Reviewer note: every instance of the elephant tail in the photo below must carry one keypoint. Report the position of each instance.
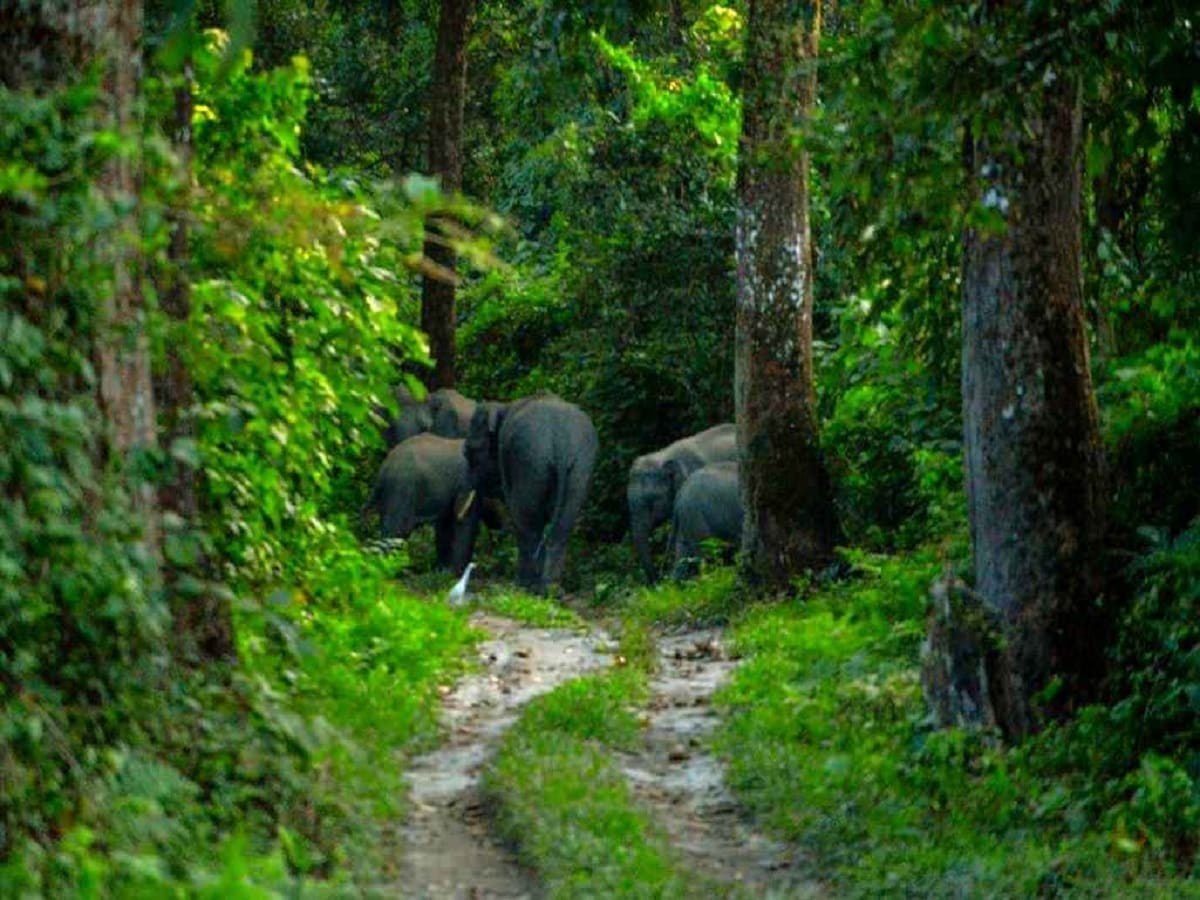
(570, 492)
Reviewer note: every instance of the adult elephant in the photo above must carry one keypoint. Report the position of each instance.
(656, 479)
(537, 454)
(708, 506)
(423, 480)
(445, 412)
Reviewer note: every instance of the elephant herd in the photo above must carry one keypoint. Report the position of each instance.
(456, 464)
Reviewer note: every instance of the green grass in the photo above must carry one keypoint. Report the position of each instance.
(707, 600)
(564, 803)
(826, 740)
(354, 661)
(539, 612)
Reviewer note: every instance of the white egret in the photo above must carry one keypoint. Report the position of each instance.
(458, 593)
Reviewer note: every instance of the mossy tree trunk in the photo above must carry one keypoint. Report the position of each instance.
(446, 162)
(789, 522)
(1032, 445)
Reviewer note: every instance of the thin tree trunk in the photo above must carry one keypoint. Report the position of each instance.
(203, 619)
(675, 23)
(446, 162)
(1033, 453)
(789, 521)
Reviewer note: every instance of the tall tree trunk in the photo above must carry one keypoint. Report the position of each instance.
(203, 618)
(126, 389)
(1033, 453)
(43, 47)
(445, 161)
(789, 522)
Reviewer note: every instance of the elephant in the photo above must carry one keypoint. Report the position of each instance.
(536, 453)
(425, 479)
(445, 412)
(656, 478)
(708, 505)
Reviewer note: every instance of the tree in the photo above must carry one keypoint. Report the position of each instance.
(1032, 445)
(789, 519)
(202, 614)
(446, 162)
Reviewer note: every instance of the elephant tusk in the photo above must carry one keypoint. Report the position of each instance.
(465, 506)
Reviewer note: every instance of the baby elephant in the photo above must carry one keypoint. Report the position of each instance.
(656, 479)
(707, 506)
(422, 480)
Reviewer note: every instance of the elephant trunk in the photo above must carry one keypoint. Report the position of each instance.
(640, 531)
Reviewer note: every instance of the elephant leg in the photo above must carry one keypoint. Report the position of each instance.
(571, 496)
(529, 548)
(443, 530)
(686, 549)
(396, 523)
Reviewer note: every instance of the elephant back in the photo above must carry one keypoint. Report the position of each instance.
(547, 428)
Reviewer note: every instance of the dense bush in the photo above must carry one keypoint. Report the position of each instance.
(124, 772)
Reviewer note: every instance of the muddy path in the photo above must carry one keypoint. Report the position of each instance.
(675, 775)
(450, 853)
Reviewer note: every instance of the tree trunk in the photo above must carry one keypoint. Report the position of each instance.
(446, 162)
(789, 520)
(44, 47)
(126, 389)
(203, 619)
(675, 24)
(1033, 453)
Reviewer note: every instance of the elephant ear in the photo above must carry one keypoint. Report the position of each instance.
(677, 472)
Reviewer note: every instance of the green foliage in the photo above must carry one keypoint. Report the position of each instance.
(74, 589)
(709, 599)
(826, 739)
(296, 327)
(624, 301)
(1152, 433)
(124, 773)
(892, 438)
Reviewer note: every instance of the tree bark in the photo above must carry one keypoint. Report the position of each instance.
(1032, 444)
(446, 162)
(45, 46)
(789, 520)
(126, 390)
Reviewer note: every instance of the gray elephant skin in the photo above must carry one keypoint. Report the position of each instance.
(425, 480)
(656, 479)
(709, 505)
(445, 412)
(537, 454)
